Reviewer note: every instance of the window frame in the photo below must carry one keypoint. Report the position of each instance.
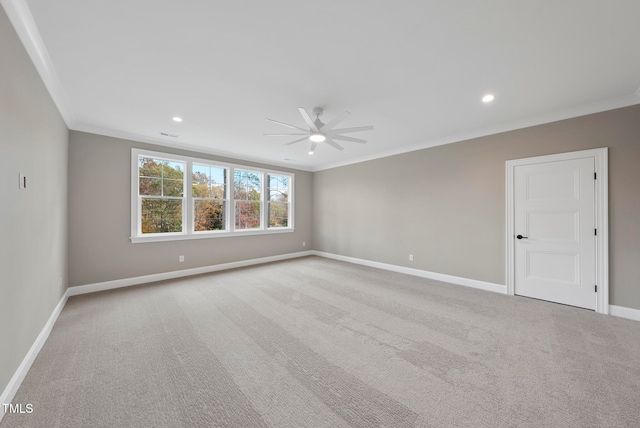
(188, 205)
(139, 197)
(269, 203)
(262, 199)
(226, 200)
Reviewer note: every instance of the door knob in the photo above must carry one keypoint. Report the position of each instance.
(522, 237)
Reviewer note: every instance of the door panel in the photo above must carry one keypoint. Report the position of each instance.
(558, 226)
(554, 212)
(563, 268)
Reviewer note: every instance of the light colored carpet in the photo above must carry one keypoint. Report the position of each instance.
(318, 343)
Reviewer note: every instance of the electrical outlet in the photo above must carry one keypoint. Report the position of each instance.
(181, 259)
(410, 257)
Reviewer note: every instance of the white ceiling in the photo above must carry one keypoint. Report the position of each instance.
(415, 70)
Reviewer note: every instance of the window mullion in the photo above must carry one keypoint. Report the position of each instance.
(266, 200)
(157, 209)
(231, 218)
(188, 210)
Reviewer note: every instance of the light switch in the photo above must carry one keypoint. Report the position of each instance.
(23, 182)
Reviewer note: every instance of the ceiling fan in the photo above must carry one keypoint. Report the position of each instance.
(319, 132)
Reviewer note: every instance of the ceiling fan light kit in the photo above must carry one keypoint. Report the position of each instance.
(319, 132)
(317, 137)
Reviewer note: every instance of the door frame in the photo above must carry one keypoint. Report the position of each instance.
(601, 163)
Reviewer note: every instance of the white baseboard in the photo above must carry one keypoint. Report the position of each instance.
(137, 280)
(618, 311)
(15, 382)
(473, 283)
(622, 312)
(10, 391)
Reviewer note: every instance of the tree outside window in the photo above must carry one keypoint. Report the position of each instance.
(161, 190)
(174, 197)
(208, 187)
(247, 198)
(278, 201)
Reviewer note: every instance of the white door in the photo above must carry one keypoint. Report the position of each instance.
(554, 231)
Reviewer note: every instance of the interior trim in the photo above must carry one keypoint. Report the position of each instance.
(622, 312)
(20, 16)
(22, 370)
(137, 280)
(467, 282)
(600, 157)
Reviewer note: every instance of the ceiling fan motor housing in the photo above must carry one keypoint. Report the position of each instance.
(320, 132)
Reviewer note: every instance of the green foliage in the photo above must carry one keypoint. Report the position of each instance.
(161, 215)
(161, 187)
(208, 191)
(209, 215)
(278, 201)
(278, 214)
(164, 180)
(247, 199)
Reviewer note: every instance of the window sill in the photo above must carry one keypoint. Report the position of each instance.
(206, 235)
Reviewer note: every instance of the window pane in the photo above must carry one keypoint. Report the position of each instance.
(159, 177)
(278, 188)
(150, 187)
(173, 169)
(199, 181)
(248, 185)
(208, 215)
(217, 191)
(171, 187)
(161, 215)
(278, 201)
(218, 176)
(148, 167)
(278, 214)
(209, 182)
(247, 215)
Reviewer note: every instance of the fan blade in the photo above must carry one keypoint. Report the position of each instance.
(332, 143)
(297, 141)
(286, 134)
(286, 124)
(313, 147)
(307, 119)
(353, 140)
(349, 130)
(336, 121)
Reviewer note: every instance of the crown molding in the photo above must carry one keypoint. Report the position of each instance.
(22, 20)
(124, 135)
(576, 111)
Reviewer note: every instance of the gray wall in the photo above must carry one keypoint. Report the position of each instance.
(33, 222)
(446, 204)
(100, 215)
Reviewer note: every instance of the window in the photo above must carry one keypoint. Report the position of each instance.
(248, 199)
(161, 189)
(176, 197)
(209, 194)
(278, 201)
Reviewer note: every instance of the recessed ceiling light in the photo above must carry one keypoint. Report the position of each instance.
(311, 153)
(487, 98)
(177, 119)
